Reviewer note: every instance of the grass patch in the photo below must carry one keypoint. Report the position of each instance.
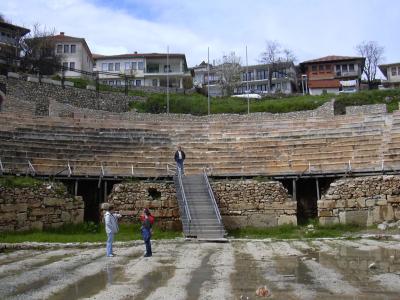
(196, 104)
(86, 232)
(389, 97)
(19, 181)
(296, 232)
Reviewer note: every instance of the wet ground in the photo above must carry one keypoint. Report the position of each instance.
(315, 269)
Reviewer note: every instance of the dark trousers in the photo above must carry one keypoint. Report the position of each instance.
(148, 247)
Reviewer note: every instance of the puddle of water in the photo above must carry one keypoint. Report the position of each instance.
(24, 255)
(24, 288)
(39, 264)
(91, 285)
(198, 277)
(247, 276)
(153, 280)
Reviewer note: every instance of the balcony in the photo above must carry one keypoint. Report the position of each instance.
(346, 74)
(8, 41)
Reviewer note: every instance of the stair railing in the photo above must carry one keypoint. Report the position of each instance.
(210, 192)
(185, 203)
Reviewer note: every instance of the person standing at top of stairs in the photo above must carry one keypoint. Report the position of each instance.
(179, 158)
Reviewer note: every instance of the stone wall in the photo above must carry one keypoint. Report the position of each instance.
(361, 200)
(42, 206)
(40, 94)
(251, 203)
(366, 109)
(130, 198)
(242, 203)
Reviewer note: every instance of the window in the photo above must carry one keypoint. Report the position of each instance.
(111, 82)
(128, 66)
(117, 66)
(66, 48)
(134, 65)
(65, 65)
(140, 65)
(314, 68)
(351, 67)
(72, 65)
(73, 48)
(118, 82)
(321, 68)
(110, 67)
(393, 71)
(398, 71)
(59, 48)
(344, 68)
(328, 68)
(167, 68)
(104, 67)
(138, 82)
(284, 86)
(155, 82)
(337, 68)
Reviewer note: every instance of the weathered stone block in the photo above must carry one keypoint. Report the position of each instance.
(328, 220)
(325, 213)
(286, 219)
(393, 198)
(370, 202)
(358, 217)
(53, 201)
(38, 225)
(234, 222)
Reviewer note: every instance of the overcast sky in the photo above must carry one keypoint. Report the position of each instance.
(311, 28)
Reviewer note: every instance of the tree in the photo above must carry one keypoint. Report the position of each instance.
(228, 72)
(277, 58)
(38, 51)
(373, 54)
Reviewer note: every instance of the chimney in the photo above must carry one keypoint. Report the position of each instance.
(62, 33)
(135, 52)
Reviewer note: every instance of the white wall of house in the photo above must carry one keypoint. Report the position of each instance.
(393, 73)
(320, 91)
(74, 55)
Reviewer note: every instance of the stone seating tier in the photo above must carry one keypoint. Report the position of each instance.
(243, 148)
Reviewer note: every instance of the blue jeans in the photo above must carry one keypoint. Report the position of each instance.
(179, 164)
(146, 235)
(110, 239)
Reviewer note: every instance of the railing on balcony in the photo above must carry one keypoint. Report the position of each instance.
(7, 40)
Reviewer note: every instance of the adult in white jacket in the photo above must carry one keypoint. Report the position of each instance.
(111, 224)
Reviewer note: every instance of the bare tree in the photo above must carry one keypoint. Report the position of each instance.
(373, 54)
(38, 51)
(228, 72)
(277, 58)
(2, 19)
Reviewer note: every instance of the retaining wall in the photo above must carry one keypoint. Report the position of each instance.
(361, 200)
(242, 203)
(42, 206)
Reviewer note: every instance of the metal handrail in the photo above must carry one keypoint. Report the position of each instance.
(185, 204)
(210, 192)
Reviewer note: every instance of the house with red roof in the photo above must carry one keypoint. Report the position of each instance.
(74, 53)
(332, 74)
(143, 69)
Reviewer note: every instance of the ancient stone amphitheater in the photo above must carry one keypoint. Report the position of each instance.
(305, 152)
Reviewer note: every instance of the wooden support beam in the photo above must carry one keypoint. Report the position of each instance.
(317, 184)
(294, 197)
(76, 188)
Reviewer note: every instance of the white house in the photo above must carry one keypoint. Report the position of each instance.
(392, 73)
(75, 54)
(146, 69)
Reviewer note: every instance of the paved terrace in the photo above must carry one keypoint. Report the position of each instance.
(228, 146)
(318, 269)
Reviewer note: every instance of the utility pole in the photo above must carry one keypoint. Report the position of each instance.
(167, 79)
(247, 79)
(208, 80)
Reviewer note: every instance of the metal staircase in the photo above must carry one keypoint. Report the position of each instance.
(198, 209)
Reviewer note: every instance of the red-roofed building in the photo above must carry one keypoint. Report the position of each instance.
(144, 69)
(75, 54)
(332, 74)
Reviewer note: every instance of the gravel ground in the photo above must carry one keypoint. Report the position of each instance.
(311, 269)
